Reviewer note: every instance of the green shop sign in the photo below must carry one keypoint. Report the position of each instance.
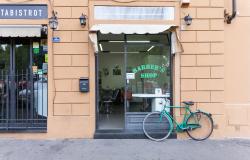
(147, 67)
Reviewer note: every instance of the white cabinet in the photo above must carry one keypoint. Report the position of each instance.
(159, 103)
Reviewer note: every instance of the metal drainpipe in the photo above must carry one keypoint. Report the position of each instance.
(229, 18)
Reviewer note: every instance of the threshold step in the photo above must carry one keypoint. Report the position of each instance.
(123, 135)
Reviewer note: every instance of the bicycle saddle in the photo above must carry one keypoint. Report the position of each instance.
(189, 103)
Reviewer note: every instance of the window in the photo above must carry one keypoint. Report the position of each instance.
(133, 13)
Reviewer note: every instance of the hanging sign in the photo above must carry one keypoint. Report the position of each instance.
(36, 48)
(46, 58)
(34, 68)
(45, 48)
(130, 75)
(35, 44)
(16, 11)
(40, 71)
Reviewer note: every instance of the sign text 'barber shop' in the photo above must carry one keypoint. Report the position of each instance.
(23, 12)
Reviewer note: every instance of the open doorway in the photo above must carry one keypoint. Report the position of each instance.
(111, 82)
(134, 77)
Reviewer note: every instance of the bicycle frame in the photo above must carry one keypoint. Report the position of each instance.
(180, 127)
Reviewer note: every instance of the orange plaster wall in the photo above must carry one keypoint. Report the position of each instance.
(237, 71)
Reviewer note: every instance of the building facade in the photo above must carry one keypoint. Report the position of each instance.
(44, 89)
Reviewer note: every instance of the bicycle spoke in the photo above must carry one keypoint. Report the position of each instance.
(200, 126)
(157, 127)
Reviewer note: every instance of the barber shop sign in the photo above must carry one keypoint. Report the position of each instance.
(23, 11)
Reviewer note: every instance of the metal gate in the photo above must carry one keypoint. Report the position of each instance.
(23, 92)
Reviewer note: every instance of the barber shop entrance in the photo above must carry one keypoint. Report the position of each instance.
(134, 77)
(23, 79)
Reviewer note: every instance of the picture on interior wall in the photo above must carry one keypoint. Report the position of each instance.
(105, 71)
(117, 70)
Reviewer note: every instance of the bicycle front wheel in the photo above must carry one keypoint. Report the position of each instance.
(157, 126)
(200, 126)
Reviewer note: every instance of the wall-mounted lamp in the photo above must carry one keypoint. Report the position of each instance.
(188, 20)
(53, 21)
(83, 19)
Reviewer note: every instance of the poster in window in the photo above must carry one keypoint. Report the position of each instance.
(117, 70)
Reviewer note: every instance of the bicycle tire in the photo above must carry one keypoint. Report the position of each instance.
(157, 128)
(206, 126)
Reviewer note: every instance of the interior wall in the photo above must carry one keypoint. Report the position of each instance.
(111, 81)
(115, 81)
(109, 61)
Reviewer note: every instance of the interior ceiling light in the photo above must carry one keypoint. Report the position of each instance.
(150, 48)
(138, 41)
(118, 52)
(116, 41)
(100, 45)
(130, 41)
(124, 52)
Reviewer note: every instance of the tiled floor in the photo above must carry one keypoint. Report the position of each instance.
(114, 120)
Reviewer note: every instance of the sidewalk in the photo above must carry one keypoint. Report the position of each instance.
(235, 149)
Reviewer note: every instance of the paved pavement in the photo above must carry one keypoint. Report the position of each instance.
(134, 149)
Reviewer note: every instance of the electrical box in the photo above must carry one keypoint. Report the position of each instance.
(84, 85)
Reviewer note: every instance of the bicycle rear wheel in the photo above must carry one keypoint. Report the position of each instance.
(200, 126)
(157, 126)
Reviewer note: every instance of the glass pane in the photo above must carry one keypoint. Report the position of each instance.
(31, 77)
(111, 81)
(4, 55)
(4, 69)
(40, 77)
(20, 92)
(22, 56)
(133, 13)
(148, 73)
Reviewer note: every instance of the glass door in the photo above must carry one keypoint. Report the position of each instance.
(148, 76)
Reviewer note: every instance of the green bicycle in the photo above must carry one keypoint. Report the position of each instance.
(158, 126)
